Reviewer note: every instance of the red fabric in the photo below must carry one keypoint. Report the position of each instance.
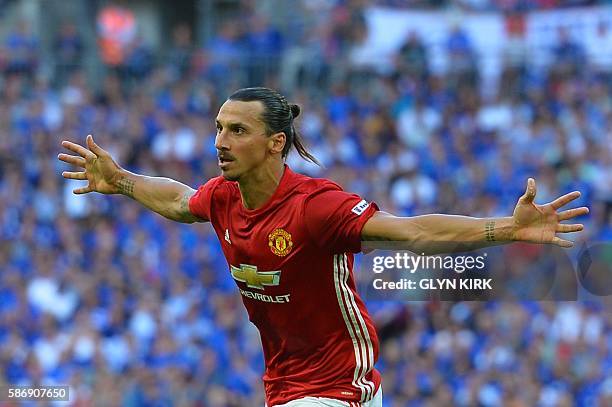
(330, 220)
(318, 339)
(201, 201)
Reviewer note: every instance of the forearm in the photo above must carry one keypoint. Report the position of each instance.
(165, 196)
(432, 234)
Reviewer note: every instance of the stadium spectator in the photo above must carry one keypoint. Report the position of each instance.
(265, 46)
(569, 55)
(412, 59)
(68, 50)
(22, 50)
(225, 50)
(462, 61)
(117, 30)
(181, 51)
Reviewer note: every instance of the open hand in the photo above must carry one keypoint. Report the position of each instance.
(100, 170)
(541, 223)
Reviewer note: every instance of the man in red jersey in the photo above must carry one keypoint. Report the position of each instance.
(289, 241)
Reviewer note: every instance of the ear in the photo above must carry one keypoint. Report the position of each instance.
(276, 142)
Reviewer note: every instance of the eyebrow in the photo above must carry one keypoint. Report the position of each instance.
(233, 124)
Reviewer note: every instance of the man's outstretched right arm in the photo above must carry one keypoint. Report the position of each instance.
(165, 196)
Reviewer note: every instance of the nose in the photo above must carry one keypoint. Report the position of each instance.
(221, 141)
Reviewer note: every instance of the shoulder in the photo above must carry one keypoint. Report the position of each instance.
(219, 184)
(214, 190)
(323, 196)
(308, 186)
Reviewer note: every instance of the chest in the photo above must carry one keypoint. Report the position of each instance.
(271, 240)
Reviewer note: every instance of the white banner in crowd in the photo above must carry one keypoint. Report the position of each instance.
(389, 28)
(590, 27)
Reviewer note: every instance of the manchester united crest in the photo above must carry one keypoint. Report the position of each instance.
(280, 242)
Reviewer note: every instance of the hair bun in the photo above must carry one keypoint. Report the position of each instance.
(295, 110)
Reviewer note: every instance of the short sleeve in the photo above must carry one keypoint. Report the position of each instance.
(335, 218)
(200, 203)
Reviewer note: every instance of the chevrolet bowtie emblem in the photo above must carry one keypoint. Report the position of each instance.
(255, 279)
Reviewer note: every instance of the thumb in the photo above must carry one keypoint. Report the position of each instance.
(530, 191)
(96, 149)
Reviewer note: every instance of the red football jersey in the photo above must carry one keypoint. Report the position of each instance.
(292, 261)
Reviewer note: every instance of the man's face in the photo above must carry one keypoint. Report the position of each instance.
(241, 141)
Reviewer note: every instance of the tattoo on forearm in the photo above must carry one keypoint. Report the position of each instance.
(126, 187)
(490, 231)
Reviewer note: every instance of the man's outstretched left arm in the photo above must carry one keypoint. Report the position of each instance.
(431, 234)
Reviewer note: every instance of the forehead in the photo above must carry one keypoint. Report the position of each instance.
(235, 111)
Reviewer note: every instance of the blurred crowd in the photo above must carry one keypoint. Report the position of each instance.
(132, 309)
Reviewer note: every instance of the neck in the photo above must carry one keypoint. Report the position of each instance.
(259, 187)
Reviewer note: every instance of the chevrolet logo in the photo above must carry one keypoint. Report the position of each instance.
(255, 279)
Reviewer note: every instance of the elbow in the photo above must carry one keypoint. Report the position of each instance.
(413, 234)
(418, 240)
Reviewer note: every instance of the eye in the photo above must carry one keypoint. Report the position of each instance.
(239, 130)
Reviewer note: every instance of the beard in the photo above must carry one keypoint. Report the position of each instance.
(230, 177)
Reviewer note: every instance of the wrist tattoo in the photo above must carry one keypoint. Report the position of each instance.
(126, 187)
(490, 231)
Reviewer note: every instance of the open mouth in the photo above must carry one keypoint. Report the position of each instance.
(224, 161)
